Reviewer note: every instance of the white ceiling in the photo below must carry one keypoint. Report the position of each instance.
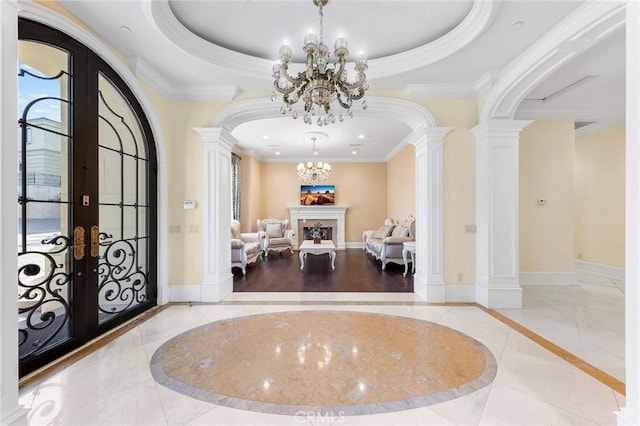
(217, 49)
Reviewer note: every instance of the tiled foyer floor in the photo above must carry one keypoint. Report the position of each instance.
(114, 385)
(586, 319)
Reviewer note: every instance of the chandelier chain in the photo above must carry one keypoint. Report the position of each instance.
(314, 173)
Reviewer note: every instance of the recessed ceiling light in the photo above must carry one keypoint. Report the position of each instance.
(517, 25)
(277, 152)
(266, 138)
(354, 152)
(360, 136)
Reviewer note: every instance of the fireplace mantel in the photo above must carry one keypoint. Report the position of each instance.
(304, 213)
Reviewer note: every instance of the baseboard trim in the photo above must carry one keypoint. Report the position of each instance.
(548, 278)
(614, 272)
(185, 293)
(354, 245)
(465, 293)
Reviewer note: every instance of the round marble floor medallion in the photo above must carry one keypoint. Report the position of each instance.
(324, 362)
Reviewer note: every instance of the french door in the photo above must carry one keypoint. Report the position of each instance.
(86, 198)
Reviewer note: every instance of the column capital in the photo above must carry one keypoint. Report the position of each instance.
(499, 128)
(428, 135)
(219, 135)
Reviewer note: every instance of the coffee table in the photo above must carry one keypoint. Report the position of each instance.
(325, 247)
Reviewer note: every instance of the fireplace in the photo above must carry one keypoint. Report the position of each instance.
(331, 217)
(327, 230)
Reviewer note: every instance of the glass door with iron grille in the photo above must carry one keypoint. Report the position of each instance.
(86, 203)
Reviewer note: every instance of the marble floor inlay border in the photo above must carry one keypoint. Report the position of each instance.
(329, 362)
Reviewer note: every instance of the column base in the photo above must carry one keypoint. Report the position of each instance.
(216, 292)
(431, 292)
(499, 297)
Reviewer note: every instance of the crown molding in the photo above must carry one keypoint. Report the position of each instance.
(439, 91)
(480, 17)
(452, 91)
(205, 93)
(146, 73)
(476, 22)
(485, 82)
(396, 150)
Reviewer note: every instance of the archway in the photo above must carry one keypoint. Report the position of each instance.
(425, 136)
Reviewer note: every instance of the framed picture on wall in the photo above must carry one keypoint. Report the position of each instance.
(317, 195)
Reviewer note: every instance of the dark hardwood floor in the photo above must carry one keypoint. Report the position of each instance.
(355, 272)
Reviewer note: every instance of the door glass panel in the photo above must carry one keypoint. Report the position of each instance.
(45, 259)
(123, 167)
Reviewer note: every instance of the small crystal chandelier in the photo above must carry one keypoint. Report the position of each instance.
(314, 173)
(320, 84)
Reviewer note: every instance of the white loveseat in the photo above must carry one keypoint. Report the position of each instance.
(385, 243)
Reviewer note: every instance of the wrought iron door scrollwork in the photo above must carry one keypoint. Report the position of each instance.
(121, 283)
(42, 304)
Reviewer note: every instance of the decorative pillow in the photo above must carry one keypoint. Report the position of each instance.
(235, 232)
(383, 232)
(400, 231)
(274, 230)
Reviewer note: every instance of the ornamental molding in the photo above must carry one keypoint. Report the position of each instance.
(148, 74)
(590, 24)
(452, 91)
(476, 22)
(410, 113)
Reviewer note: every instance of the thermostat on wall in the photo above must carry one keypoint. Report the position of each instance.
(189, 204)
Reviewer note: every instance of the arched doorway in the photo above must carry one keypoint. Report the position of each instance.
(87, 204)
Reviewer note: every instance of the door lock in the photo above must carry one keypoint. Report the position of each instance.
(78, 243)
(95, 241)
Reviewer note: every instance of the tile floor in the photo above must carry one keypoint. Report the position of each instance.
(586, 319)
(114, 385)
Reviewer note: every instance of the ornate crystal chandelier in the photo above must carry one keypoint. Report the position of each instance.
(314, 173)
(320, 85)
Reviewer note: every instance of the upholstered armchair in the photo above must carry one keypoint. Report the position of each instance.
(245, 247)
(385, 244)
(276, 235)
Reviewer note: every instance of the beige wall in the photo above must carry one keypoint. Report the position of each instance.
(361, 186)
(459, 207)
(401, 184)
(183, 159)
(459, 245)
(547, 158)
(600, 197)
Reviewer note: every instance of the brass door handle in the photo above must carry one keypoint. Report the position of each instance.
(78, 243)
(95, 241)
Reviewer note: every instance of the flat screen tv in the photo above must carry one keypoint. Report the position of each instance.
(317, 195)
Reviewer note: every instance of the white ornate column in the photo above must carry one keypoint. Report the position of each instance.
(428, 281)
(497, 211)
(10, 410)
(630, 413)
(217, 280)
